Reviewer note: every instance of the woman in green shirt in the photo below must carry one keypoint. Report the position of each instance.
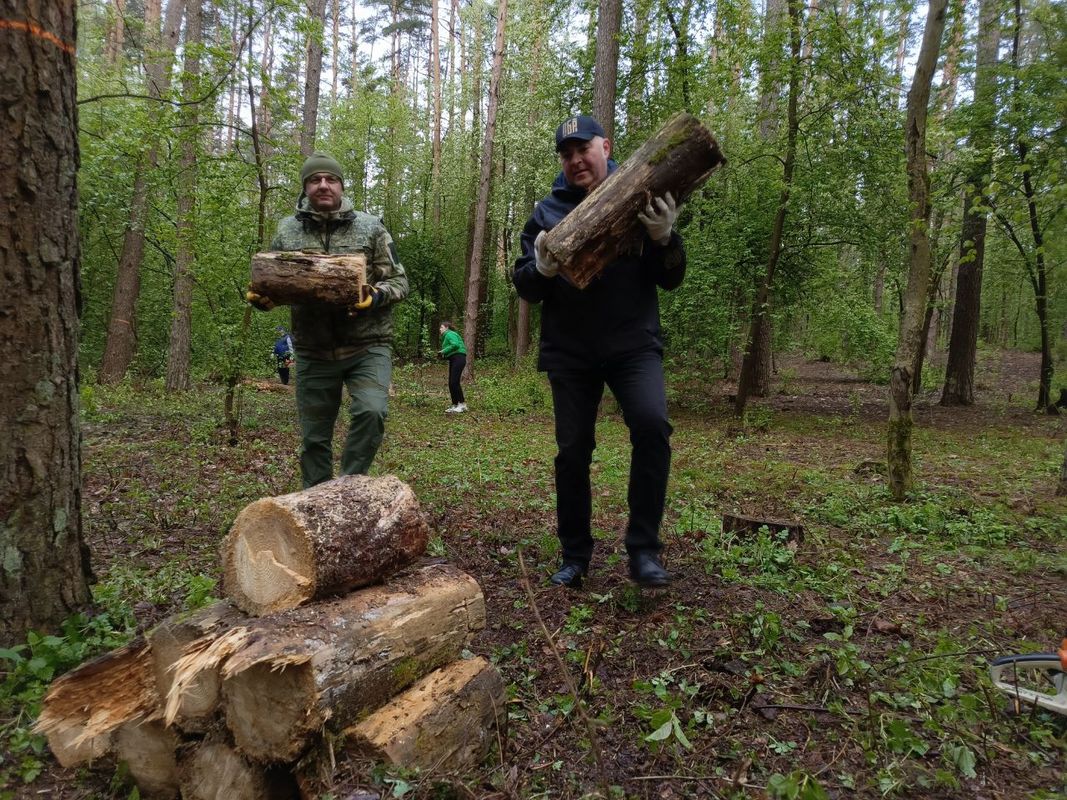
(453, 349)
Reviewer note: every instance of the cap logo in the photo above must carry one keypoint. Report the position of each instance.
(569, 128)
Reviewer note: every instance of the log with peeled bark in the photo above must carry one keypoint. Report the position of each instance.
(166, 641)
(84, 707)
(288, 278)
(286, 675)
(349, 532)
(677, 159)
(448, 720)
(149, 751)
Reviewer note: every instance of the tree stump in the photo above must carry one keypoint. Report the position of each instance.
(677, 159)
(84, 706)
(337, 536)
(448, 720)
(288, 278)
(286, 675)
(149, 750)
(736, 523)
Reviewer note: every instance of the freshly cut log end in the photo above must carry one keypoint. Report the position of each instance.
(84, 706)
(677, 159)
(346, 533)
(448, 720)
(331, 662)
(148, 749)
(297, 278)
(168, 640)
(215, 771)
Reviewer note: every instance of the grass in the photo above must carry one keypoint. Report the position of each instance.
(855, 664)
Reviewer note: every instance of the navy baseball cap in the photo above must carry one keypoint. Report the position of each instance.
(581, 127)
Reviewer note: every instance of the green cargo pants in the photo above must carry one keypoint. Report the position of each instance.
(318, 399)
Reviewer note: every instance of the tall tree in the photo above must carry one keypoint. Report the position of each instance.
(44, 566)
(963, 341)
(606, 66)
(481, 213)
(910, 336)
(756, 363)
(116, 31)
(122, 327)
(317, 14)
(185, 257)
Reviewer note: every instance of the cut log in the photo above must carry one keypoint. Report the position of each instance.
(201, 698)
(337, 536)
(286, 675)
(677, 159)
(84, 706)
(448, 720)
(216, 771)
(149, 749)
(736, 523)
(288, 278)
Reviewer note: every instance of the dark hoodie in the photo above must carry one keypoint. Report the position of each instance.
(617, 314)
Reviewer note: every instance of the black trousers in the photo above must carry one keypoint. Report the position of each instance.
(456, 363)
(283, 374)
(637, 384)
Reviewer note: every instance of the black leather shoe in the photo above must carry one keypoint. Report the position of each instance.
(570, 574)
(646, 570)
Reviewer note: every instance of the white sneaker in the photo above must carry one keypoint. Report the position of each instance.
(461, 408)
(451, 409)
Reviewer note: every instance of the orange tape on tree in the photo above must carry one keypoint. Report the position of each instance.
(39, 32)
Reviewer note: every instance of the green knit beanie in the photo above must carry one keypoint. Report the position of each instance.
(320, 162)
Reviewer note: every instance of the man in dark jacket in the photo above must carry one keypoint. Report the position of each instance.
(607, 334)
(340, 347)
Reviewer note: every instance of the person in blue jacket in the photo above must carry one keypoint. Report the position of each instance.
(607, 334)
(283, 353)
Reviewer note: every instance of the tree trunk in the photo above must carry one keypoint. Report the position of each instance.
(678, 158)
(435, 167)
(288, 278)
(606, 68)
(149, 751)
(446, 721)
(178, 351)
(332, 538)
(121, 345)
(963, 346)
(1061, 487)
(900, 397)
(317, 15)
(288, 674)
(44, 573)
(116, 32)
(755, 367)
(335, 21)
(481, 214)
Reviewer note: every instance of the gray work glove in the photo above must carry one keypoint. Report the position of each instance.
(658, 218)
(546, 264)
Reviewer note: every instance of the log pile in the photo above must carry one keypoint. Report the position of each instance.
(332, 640)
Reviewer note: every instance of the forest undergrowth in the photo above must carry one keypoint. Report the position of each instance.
(851, 664)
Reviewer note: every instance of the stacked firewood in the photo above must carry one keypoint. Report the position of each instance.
(335, 639)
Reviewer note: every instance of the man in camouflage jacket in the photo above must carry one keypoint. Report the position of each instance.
(335, 346)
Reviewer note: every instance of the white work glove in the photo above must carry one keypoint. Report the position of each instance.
(658, 218)
(546, 264)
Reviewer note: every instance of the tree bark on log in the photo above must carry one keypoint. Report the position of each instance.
(167, 641)
(677, 159)
(149, 750)
(445, 721)
(348, 532)
(84, 706)
(288, 278)
(284, 676)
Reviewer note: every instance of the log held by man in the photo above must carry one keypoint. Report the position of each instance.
(288, 278)
(677, 159)
(349, 532)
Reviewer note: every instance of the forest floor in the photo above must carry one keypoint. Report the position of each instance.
(851, 664)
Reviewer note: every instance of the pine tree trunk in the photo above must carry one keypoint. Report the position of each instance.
(44, 572)
(116, 32)
(606, 68)
(316, 10)
(900, 388)
(178, 350)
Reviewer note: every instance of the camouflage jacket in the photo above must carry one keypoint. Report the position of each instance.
(328, 332)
